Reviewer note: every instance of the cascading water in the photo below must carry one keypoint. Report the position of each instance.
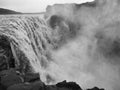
(28, 38)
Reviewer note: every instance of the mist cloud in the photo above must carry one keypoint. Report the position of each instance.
(83, 58)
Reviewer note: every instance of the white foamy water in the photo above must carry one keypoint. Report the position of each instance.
(26, 35)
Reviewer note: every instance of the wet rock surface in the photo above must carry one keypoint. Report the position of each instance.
(31, 77)
(13, 80)
(95, 88)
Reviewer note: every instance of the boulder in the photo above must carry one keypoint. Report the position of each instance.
(69, 85)
(95, 88)
(2, 87)
(52, 87)
(8, 72)
(11, 79)
(22, 86)
(31, 77)
(38, 85)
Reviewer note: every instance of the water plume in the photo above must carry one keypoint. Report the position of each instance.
(83, 58)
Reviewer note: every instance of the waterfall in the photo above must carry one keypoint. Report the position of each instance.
(28, 38)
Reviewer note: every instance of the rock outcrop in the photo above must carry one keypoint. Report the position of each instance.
(14, 80)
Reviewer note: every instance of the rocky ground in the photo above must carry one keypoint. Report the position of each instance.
(13, 80)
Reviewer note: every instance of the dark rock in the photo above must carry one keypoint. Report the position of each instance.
(69, 85)
(95, 88)
(11, 79)
(6, 59)
(22, 86)
(38, 85)
(31, 77)
(51, 87)
(9, 72)
(2, 87)
(3, 63)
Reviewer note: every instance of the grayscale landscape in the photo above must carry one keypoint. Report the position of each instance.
(68, 47)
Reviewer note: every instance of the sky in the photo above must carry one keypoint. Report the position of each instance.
(31, 6)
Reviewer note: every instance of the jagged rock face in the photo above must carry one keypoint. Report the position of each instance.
(87, 41)
(6, 57)
(14, 80)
